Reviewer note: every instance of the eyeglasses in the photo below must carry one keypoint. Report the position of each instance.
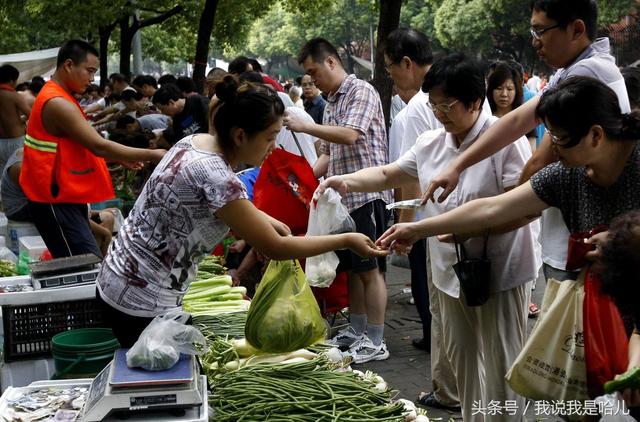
(537, 33)
(308, 84)
(443, 108)
(565, 141)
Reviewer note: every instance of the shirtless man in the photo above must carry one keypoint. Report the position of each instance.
(14, 112)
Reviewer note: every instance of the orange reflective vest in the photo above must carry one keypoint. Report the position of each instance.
(56, 169)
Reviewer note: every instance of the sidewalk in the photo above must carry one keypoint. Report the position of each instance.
(408, 369)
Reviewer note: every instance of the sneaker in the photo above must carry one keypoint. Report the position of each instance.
(365, 351)
(345, 338)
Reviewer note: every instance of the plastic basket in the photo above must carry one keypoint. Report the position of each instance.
(28, 329)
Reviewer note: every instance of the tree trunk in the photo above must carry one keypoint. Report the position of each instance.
(202, 44)
(104, 34)
(389, 20)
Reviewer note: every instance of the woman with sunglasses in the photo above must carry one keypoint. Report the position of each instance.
(480, 342)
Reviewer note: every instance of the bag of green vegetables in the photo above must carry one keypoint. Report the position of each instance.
(284, 315)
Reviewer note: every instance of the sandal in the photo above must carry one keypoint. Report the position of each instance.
(429, 400)
(533, 310)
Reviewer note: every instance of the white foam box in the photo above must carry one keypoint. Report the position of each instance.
(16, 230)
(24, 372)
(33, 246)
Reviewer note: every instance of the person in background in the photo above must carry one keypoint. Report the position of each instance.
(15, 111)
(189, 115)
(631, 75)
(63, 165)
(147, 123)
(257, 67)
(188, 206)
(187, 86)
(166, 79)
(213, 77)
(146, 84)
(239, 65)
(295, 93)
(313, 102)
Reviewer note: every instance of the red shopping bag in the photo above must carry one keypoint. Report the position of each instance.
(605, 337)
(284, 189)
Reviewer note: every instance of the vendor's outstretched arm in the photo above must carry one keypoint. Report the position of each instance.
(505, 131)
(251, 225)
(372, 179)
(473, 216)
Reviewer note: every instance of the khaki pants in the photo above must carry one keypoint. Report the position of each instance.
(481, 343)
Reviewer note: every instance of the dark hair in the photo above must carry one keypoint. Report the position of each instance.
(411, 43)
(216, 73)
(186, 84)
(631, 75)
(254, 77)
(118, 77)
(166, 79)
(170, 136)
(131, 94)
(123, 121)
(22, 86)
(566, 11)
(257, 67)
(459, 76)
(90, 88)
(8, 73)
(251, 107)
(500, 74)
(318, 49)
(619, 263)
(579, 102)
(239, 65)
(76, 50)
(35, 85)
(142, 80)
(166, 93)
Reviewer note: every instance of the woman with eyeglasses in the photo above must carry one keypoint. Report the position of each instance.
(189, 204)
(480, 342)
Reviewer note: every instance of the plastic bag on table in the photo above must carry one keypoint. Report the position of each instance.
(613, 408)
(327, 216)
(160, 344)
(284, 315)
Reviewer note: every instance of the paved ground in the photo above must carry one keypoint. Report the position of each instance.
(408, 369)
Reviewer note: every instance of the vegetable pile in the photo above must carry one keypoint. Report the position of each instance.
(7, 268)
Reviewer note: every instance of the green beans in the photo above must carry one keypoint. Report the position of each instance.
(223, 325)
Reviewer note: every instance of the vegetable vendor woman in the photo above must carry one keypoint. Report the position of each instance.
(189, 204)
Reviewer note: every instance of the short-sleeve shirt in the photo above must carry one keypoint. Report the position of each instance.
(512, 254)
(194, 117)
(172, 225)
(356, 105)
(315, 108)
(584, 204)
(151, 122)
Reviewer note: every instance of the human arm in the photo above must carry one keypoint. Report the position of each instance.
(281, 228)
(334, 134)
(409, 191)
(321, 166)
(505, 131)
(23, 106)
(542, 157)
(251, 225)
(471, 217)
(372, 179)
(62, 118)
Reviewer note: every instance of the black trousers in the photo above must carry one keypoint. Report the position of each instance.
(418, 264)
(127, 328)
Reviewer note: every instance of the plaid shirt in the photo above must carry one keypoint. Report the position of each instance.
(356, 105)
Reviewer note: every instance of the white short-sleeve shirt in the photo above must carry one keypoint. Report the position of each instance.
(512, 254)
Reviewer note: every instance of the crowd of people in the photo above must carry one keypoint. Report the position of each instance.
(507, 164)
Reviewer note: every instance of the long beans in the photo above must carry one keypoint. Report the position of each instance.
(302, 391)
(231, 325)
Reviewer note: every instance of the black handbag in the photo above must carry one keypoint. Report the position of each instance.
(473, 274)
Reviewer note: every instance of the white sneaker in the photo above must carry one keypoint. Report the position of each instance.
(345, 338)
(365, 351)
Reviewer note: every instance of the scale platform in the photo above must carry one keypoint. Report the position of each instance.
(65, 272)
(177, 394)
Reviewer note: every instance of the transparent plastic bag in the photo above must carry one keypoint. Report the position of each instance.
(160, 344)
(284, 315)
(327, 216)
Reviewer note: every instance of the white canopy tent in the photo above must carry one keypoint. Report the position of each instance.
(32, 63)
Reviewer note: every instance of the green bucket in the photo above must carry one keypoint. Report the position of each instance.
(82, 353)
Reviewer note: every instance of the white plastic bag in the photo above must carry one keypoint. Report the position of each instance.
(327, 216)
(613, 408)
(160, 344)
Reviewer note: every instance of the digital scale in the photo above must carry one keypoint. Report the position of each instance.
(65, 272)
(118, 392)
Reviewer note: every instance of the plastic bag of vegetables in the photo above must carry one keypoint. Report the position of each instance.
(284, 315)
(160, 344)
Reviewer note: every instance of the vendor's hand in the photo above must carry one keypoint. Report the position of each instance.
(337, 183)
(132, 165)
(447, 179)
(156, 155)
(280, 227)
(364, 247)
(446, 238)
(598, 239)
(400, 237)
(293, 122)
(237, 246)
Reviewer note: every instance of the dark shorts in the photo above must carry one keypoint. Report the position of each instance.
(371, 219)
(64, 228)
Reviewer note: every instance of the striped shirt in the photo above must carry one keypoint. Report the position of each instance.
(356, 105)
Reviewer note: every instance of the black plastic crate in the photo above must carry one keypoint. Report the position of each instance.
(28, 329)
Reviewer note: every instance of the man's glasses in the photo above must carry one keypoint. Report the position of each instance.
(537, 33)
(444, 108)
